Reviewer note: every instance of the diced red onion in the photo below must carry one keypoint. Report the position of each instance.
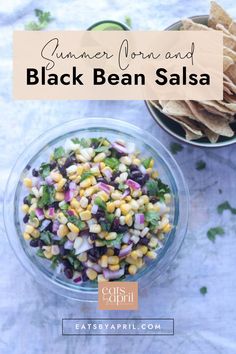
(120, 148)
(44, 224)
(68, 195)
(78, 280)
(51, 212)
(107, 173)
(125, 251)
(132, 184)
(94, 209)
(111, 275)
(39, 213)
(126, 193)
(126, 237)
(49, 180)
(55, 226)
(72, 186)
(139, 219)
(105, 187)
(142, 169)
(68, 245)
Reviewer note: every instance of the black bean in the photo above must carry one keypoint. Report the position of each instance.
(53, 165)
(127, 269)
(70, 161)
(41, 243)
(84, 275)
(25, 201)
(134, 174)
(102, 250)
(133, 168)
(114, 184)
(153, 199)
(35, 173)
(93, 236)
(122, 229)
(92, 258)
(66, 186)
(102, 180)
(66, 263)
(34, 243)
(62, 171)
(54, 205)
(115, 174)
(115, 224)
(63, 252)
(143, 240)
(116, 251)
(26, 218)
(68, 273)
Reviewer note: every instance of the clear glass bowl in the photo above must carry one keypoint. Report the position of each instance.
(40, 150)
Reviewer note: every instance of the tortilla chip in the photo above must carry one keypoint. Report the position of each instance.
(189, 25)
(229, 98)
(213, 137)
(219, 107)
(227, 62)
(212, 121)
(218, 15)
(222, 28)
(231, 73)
(229, 53)
(155, 104)
(229, 42)
(176, 108)
(188, 123)
(189, 135)
(231, 87)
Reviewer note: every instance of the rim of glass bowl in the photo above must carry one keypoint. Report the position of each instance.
(105, 125)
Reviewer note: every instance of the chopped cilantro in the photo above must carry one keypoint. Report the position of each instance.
(152, 217)
(101, 149)
(54, 261)
(157, 188)
(76, 221)
(122, 187)
(128, 21)
(146, 162)
(214, 231)
(200, 165)
(46, 237)
(115, 242)
(225, 206)
(64, 206)
(83, 142)
(86, 175)
(40, 253)
(175, 148)
(59, 152)
(203, 290)
(32, 215)
(44, 18)
(47, 197)
(44, 170)
(112, 162)
(98, 201)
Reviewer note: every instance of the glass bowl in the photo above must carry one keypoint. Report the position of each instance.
(39, 151)
(175, 129)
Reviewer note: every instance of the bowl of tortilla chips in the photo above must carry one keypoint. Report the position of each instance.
(204, 123)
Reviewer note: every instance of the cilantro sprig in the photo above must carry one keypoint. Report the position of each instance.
(215, 231)
(225, 206)
(43, 19)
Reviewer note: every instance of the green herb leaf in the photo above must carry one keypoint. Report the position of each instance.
(200, 165)
(86, 175)
(44, 170)
(152, 217)
(59, 153)
(101, 149)
(40, 253)
(214, 231)
(76, 221)
(46, 236)
(85, 143)
(98, 201)
(115, 242)
(54, 262)
(128, 21)
(203, 290)
(122, 187)
(112, 162)
(47, 196)
(64, 206)
(146, 162)
(225, 206)
(175, 148)
(44, 18)
(32, 215)
(157, 188)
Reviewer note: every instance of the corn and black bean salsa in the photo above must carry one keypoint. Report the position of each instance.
(97, 210)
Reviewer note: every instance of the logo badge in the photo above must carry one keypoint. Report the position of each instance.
(118, 296)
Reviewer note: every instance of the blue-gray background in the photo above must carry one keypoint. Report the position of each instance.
(30, 316)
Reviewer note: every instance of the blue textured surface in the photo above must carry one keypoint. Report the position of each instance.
(30, 316)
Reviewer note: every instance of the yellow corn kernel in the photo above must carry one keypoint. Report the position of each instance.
(34, 222)
(153, 242)
(105, 170)
(166, 228)
(86, 183)
(114, 267)
(150, 206)
(125, 209)
(29, 229)
(167, 197)
(154, 174)
(134, 254)
(35, 233)
(128, 220)
(143, 249)
(102, 234)
(25, 208)
(136, 162)
(116, 195)
(74, 203)
(83, 257)
(101, 278)
(56, 176)
(149, 170)
(99, 157)
(145, 199)
(93, 180)
(110, 207)
(111, 236)
(113, 260)
(89, 191)
(132, 269)
(103, 195)
(61, 218)
(80, 170)
(117, 203)
(27, 182)
(91, 274)
(102, 165)
(151, 164)
(48, 254)
(104, 261)
(134, 205)
(128, 198)
(96, 228)
(59, 196)
(85, 215)
(60, 184)
(81, 192)
(151, 254)
(73, 228)
(110, 252)
(26, 236)
(62, 231)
